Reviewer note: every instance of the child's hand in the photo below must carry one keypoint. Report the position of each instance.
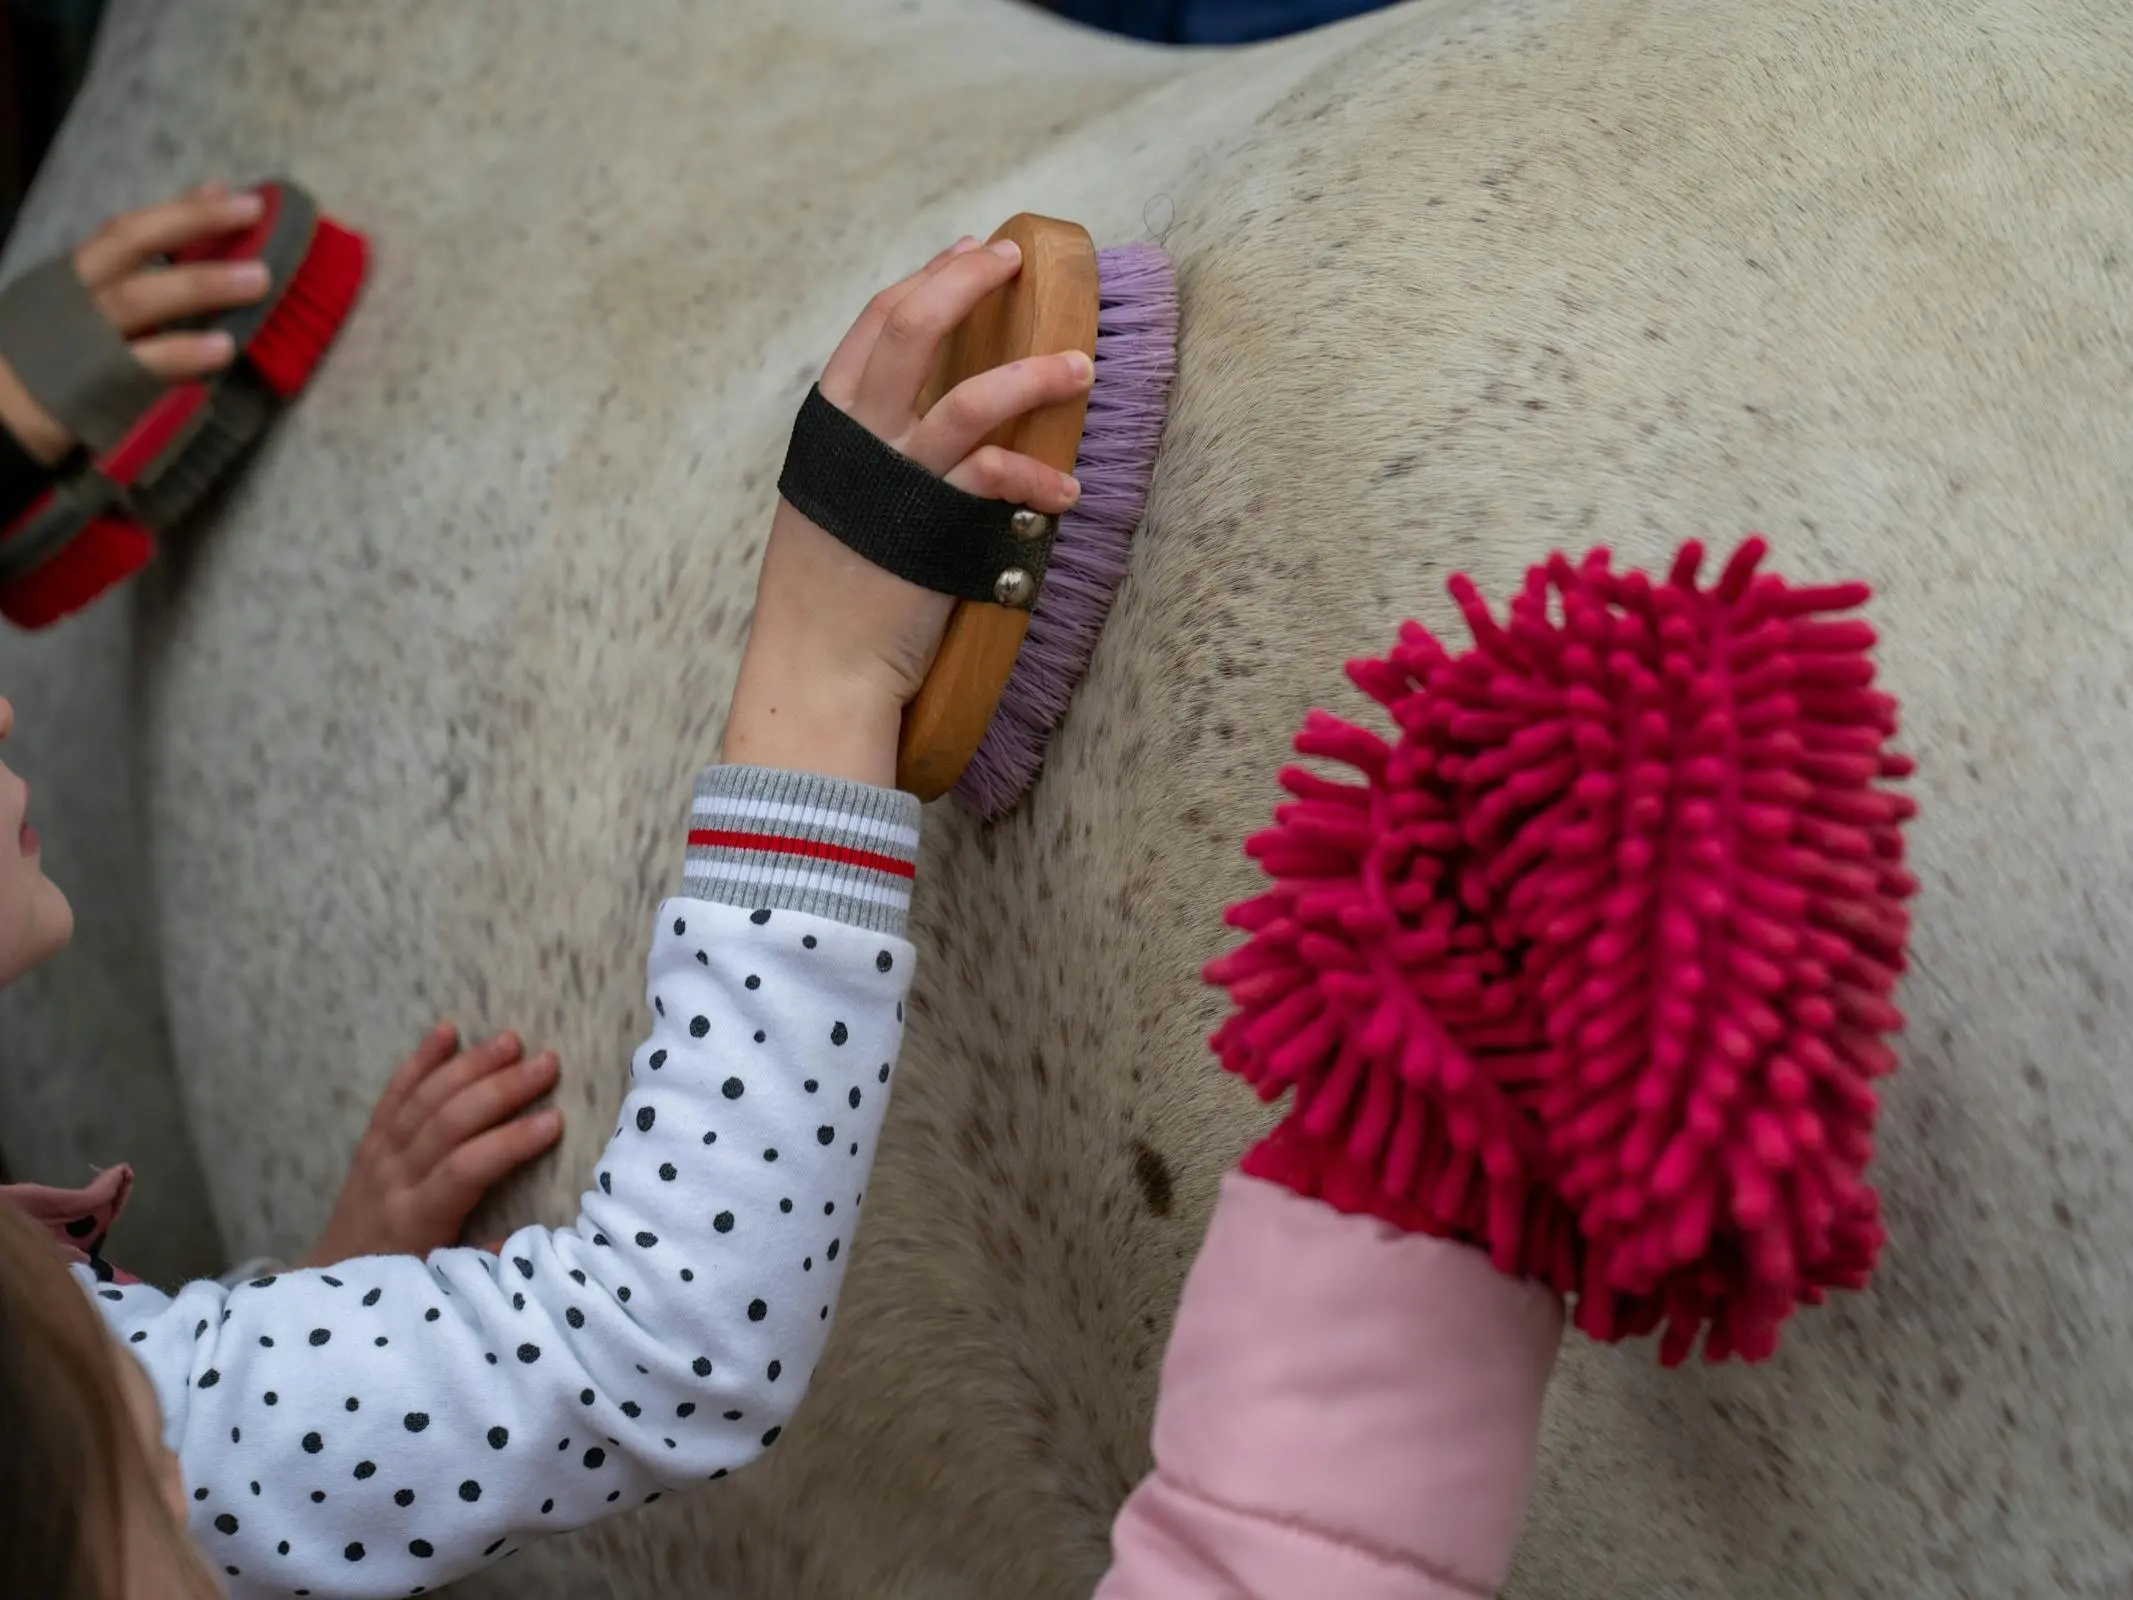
(446, 1128)
(839, 646)
(118, 265)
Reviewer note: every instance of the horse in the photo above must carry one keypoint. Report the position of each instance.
(404, 726)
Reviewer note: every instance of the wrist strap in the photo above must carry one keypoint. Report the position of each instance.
(70, 359)
(902, 518)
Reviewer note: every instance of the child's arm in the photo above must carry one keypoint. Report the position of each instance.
(388, 1421)
(391, 1421)
(1346, 1409)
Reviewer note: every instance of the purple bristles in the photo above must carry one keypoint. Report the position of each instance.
(1136, 357)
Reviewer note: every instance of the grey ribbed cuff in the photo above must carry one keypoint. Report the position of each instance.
(769, 839)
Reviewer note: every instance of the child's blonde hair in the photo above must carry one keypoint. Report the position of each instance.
(76, 1484)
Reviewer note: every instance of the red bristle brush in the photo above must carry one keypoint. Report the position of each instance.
(1593, 968)
(317, 266)
(100, 554)
(1003, 675)
(58, 556)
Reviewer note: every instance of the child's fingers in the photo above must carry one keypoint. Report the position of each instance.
(481, 1105)
(182, 357)
(998, 474)
(840, 378)
(132, 240)
(912, 332)
(962, 418)
(468, 1066)
(479, 1164)
(157, 295)
(434, 1051)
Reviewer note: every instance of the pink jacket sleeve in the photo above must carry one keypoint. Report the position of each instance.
(1346, 1409)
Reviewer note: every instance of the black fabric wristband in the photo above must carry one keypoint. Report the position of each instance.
(22, 479)
(892, 511)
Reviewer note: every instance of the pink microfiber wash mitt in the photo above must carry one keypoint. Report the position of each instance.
(1592, 969)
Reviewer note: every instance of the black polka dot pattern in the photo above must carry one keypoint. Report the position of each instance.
(417, 1450)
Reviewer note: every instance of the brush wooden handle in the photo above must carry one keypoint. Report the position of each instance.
(1049, 306)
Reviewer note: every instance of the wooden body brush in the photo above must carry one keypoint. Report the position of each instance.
(1004, 672)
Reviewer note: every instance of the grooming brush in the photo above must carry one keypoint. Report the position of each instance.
(99, 527)
(316, 266)
(1001, 681)
(70, 546)
(88, 532)
(1593, 969)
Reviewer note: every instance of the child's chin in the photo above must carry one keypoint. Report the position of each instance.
(55, 920)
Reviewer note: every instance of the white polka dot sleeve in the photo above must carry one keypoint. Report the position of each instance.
(383, 1427)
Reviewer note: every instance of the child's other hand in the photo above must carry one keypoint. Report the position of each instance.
(446, 1128)
(137, 294)
(838, 646)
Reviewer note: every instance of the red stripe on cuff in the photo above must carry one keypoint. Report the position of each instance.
(781, 845)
